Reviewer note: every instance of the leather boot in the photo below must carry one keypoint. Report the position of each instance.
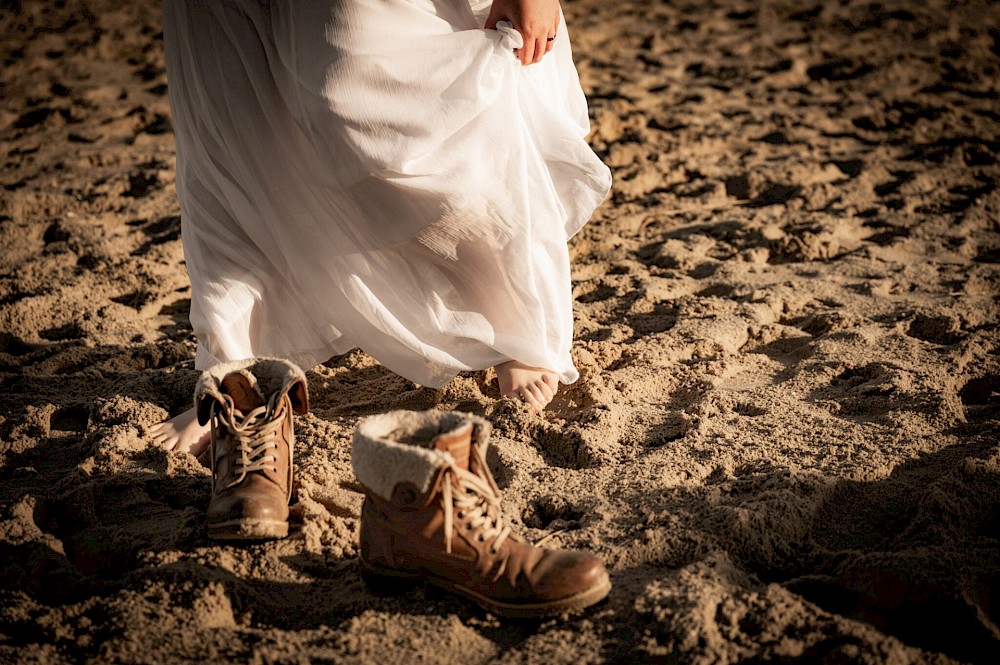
(250, 404)
(432, 511)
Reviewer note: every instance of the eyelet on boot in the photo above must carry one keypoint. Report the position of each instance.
(406, 496)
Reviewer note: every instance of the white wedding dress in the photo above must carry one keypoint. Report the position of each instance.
(381, 174)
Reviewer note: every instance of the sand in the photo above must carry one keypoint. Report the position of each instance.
(784, 442)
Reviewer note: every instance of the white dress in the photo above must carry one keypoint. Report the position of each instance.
(381, 174)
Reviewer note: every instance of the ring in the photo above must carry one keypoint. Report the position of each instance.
(550, 39)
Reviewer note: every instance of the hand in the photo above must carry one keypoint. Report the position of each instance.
(536, 20)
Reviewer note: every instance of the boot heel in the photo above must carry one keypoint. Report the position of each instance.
(386, 582)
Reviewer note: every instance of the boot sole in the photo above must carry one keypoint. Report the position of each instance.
(248, 529)
(382, 579)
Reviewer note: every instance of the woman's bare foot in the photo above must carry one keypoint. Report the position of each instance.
(182, 433)
(534, 385)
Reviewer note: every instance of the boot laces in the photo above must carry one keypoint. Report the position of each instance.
(475, 499)
(254, 436)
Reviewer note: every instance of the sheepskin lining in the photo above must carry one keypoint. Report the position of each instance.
(395, 447)
(266, 376)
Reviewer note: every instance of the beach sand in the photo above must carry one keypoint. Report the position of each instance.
(784, 442)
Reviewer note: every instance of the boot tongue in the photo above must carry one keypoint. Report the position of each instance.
(240, 387)
(457, 443)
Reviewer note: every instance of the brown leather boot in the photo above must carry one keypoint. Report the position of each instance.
(432, 511)
(250, 405)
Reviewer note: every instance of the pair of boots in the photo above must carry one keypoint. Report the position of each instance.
(431, 511)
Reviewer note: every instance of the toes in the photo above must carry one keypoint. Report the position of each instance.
(540, 399)
(180, 435)
(167, 443)
(199, 446)
(533, 385)
(546, 390)
(163, 435)
(529, 398)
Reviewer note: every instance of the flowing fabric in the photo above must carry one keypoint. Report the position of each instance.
(381, 174)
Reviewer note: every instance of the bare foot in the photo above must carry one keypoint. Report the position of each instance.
(182, 433)
(534, 385)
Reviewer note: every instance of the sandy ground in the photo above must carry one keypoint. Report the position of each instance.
(784, 442)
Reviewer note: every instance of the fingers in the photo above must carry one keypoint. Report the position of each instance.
(496, 14)
(534, 49)
(531, 52)
(550, 39)
(537, 42)
(538, 34)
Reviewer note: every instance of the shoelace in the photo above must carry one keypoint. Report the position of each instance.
(476, 500)
(254, 436)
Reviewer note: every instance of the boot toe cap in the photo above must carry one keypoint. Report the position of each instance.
(236, 505)
(567, 574)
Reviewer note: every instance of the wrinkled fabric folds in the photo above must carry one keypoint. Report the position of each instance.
(381, 174)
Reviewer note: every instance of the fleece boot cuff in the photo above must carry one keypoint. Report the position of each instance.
(266, 375)
(396, 447)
